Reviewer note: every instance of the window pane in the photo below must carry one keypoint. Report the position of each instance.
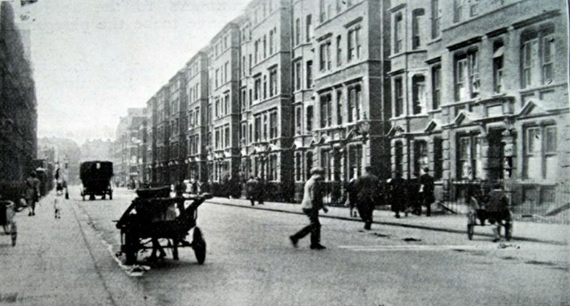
(550, 140)
(533, 141)
(464, 148)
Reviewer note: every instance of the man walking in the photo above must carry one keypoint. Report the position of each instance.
(498, 210)
(426, 192)
(311, 204)
(367, 188)
(351, 196)
(252, 189)
(398, 194)
(32, 192)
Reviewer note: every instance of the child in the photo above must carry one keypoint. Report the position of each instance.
(57, 201)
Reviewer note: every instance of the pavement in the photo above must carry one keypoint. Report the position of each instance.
(61, 262)
(439, 221)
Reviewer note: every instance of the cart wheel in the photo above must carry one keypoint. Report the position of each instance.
(199, 246)
(14, 234)
(508, 230)
(470, 231)
(130, 249)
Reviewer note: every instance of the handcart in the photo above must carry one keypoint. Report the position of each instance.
(143, 224)
(478, 215)
(7, 212)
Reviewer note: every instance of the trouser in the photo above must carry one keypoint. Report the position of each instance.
(425, 200)
(314, 227)
(398, 205)
(31, 204)
(366, 209)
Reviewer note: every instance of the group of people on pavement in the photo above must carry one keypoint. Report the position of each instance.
(362, 193)
(411, 195)
(365, 192)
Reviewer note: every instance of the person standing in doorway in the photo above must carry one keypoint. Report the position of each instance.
(426, 191)
(311, 204)
(32, 192)
(367, 188)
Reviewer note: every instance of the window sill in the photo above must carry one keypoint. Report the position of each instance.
(541, 87)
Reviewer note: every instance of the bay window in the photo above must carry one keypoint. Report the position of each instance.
(398, 97)
(398, 33)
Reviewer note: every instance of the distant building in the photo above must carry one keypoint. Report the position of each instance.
(149, 142)
(266, 150)
(350, 124)
(177, 132)
(472, 90)
(162, 135)
(126, 161)
(223, 68)
(197, 116)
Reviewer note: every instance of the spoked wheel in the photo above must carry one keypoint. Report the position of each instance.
(131, 249)
(14, 234)
(199, 246)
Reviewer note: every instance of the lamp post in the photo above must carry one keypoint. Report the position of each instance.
(66, 164)
(363, 128)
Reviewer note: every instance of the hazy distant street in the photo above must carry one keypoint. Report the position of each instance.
(250, 262)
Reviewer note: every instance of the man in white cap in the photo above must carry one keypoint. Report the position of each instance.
(311, 204)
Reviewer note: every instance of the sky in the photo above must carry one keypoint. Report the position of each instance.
(93, 59)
